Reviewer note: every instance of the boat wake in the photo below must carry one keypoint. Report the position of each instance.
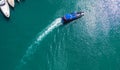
(33, 47)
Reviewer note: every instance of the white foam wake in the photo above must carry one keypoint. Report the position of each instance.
(33, 47)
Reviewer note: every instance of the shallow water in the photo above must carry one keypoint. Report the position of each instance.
(91, 42)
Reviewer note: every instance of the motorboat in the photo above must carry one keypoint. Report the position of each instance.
(72, 16)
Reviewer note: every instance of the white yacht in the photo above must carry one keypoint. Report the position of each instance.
(5, 8)
(11, 2)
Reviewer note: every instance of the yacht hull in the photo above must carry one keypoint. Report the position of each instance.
(5, 9)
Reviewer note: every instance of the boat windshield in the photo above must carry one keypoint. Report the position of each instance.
(2, 2)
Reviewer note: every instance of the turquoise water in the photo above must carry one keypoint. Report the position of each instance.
(89, 43)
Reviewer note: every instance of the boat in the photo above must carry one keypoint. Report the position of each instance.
(5, 8)
(72, 16)
(11, 3)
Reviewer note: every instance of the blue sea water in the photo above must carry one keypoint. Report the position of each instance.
(32, 38)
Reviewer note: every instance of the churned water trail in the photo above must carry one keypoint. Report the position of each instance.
(33, 47)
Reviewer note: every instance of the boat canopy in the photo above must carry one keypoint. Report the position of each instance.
(70, 16)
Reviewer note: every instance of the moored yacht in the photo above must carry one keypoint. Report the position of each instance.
(11, 2)
(5, 8)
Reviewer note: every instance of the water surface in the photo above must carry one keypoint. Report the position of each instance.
(89, 43)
